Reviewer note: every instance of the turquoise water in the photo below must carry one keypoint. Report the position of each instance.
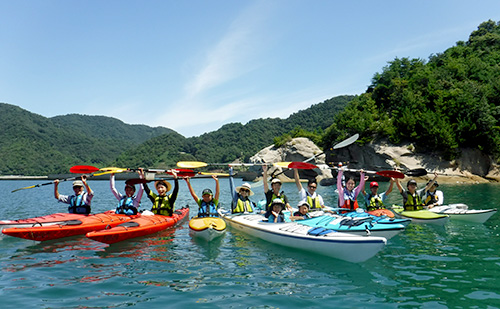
(457, 265)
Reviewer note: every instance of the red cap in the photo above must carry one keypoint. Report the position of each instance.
(373, 184)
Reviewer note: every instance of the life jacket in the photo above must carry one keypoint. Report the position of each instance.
(243, 206)
(126, 206)
(313, 202)
(281, 218)
(349, 202)
(431, 198)
(375, 202)
(413, 202)
(208, 209)
(161, 206)
(281, 197)
(77, 205)
(298, 214)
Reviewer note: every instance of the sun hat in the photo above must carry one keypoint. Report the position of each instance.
(303, 203)
(373, 184)
(164, 183)
(245, 186)
(278, 201)
(206, 191)
(275, 180)
(77, 183)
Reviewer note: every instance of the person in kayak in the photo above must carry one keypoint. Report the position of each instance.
(127, 203)
(303, 211)
(411, 199)
(430, 195)
(374, 200)
(310, 195)
(274, 193)
(163, 204)
(349, 193)
(79, 203)
(275, 212)
(208, 204)
(240, 202)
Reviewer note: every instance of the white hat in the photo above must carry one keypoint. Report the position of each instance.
(245, 186)
(275, 180)
(303, 202)
(77, 183)
(278, 201)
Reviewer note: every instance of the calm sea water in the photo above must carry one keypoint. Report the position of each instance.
(457, 265)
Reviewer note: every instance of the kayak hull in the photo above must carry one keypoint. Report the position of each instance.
(141, 226)
(422, 216)
(461, 212)
(68, 228)
(343, 246)
(207, 228)
(51, 219)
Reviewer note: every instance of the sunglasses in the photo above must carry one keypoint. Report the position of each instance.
(244, 190)
(312, 187)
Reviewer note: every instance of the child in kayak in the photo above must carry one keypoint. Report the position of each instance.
(208, 204)
(374, 200)
(163, 204)
(411, 199)
(302, 213)
(79, 203)
(349, 193)
(430, 195)
(275, 212)
(128, 203)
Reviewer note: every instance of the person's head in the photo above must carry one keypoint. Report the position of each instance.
(129, 190)
(207, 195)
(350, 184)
(162, 187)
(434, 186)
(276, 184)
(374, 187)
(78, 187)
(412, 185)
(245, 190)
(312, 185)
(277, 205)
(303, 207)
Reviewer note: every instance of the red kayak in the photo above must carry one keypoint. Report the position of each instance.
(382, 212)
(52, 219)
(142, 226)
(69, 228)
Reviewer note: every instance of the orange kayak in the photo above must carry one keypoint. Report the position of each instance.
(51, 219)
(382, 212)
(141, 226)
(69, 228)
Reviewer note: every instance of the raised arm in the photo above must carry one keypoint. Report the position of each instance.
(297, 179)
(56, 190)
(264, 178)
(340, 189)
(389, 190)
(217, 187)
(113, 187)
(89, 191)
(398, 184)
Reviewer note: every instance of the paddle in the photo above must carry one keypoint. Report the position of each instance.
(77, 169)
(198, 164)
(389, 174)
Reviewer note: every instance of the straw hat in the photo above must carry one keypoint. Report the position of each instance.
(163, 182)
(245, 186)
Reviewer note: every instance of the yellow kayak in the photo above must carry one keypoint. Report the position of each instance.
(421, 216)
(207, 227)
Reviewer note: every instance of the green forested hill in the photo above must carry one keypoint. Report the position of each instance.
(31, 144)
(441, 105)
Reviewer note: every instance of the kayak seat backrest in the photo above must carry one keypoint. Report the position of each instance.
(178, 212)
(130, 224)
(318, 231)
(72, 222)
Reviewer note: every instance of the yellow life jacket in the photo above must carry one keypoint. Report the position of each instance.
(161, 205)
(413, 202)
(375, 203)
(243, 206)
(313, 202)
(431, 198)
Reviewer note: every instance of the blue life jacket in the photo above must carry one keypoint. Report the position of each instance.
(126, 206)
(208, 209)
(77, 205)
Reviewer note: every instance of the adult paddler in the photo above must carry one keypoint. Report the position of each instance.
(79, 203)
(310, 196)
(163, 204)
(240, 200)
(274, 192)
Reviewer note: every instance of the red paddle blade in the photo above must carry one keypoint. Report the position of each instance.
(182, 172)
(391, 174)
(302, 165)
(83, 169)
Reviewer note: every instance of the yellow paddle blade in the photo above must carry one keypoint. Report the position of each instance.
(191, 164)
(216, 174)
(110, 170)
(281, 164)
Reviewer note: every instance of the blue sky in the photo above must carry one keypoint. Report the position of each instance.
(196, 65)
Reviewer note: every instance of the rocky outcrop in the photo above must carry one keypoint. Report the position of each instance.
(298, 149)
(472, 166)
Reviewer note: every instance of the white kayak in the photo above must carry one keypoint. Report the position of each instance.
(463, 213)
(343, 246)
